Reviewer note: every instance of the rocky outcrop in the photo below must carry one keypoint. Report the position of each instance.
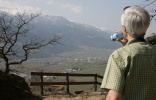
(13, 87)
(151, 39)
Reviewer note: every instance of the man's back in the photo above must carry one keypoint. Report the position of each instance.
(140, 72)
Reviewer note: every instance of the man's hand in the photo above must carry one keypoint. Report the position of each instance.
(122, 41)
(113, 95)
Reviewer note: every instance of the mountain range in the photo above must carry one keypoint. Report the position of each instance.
(75, 36)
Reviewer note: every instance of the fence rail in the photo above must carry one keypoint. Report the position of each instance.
(67, 83)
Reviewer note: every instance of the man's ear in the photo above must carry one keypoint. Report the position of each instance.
(126, 34)
(124, 29)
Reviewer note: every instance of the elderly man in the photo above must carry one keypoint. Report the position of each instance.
(131, 70)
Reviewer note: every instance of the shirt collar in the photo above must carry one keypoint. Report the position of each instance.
(133, 40)
(130, 41)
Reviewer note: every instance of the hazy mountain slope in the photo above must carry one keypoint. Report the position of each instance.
(74, 35)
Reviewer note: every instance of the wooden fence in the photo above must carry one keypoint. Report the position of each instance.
(67, 83)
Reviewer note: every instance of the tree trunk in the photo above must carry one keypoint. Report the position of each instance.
(7, 70)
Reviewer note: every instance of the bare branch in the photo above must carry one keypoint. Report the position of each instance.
(149, 3)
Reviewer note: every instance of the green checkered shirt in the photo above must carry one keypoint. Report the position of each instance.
(131, 70)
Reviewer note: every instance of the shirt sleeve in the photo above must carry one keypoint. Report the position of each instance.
(114, 76)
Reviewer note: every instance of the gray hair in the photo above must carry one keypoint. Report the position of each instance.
(136, 20)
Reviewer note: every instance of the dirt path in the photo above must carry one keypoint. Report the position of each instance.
(84, 96)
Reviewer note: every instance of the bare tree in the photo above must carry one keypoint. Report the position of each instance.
(12, 28)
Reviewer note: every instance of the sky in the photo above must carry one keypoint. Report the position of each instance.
(103, 14)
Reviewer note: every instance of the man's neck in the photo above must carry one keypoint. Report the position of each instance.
(129, 37)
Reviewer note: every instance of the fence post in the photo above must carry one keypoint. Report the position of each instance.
(41, 76)
(67, 78)
(95, 80)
